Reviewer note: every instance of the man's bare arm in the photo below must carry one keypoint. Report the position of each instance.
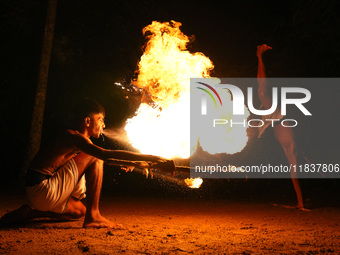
(261, 71)
(261, 77)
(85, 145)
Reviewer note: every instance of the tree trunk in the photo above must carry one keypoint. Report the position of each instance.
(40, 97)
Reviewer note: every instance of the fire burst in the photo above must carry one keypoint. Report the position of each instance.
(164, 74)
(193, 183)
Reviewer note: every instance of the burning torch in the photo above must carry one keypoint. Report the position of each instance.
(150, 168)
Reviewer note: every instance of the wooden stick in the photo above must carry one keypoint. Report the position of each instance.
(148, 164)
(120, 162)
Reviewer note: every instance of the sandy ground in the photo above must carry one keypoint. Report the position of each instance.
(174, 226)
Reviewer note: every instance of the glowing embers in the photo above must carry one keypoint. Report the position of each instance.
(193, 183)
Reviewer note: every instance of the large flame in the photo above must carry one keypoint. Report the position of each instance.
(164, 73)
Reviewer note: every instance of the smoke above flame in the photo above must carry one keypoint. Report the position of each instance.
(163, 127)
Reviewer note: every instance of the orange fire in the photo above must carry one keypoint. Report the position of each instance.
(164, 74)
(193, 183)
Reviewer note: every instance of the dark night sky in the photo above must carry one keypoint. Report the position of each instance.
(99, 42)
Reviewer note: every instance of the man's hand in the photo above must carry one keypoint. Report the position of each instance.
(160, 163)
(261, 49)
(164, 165)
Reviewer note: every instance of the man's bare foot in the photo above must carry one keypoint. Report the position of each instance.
(293, 207)
(262, 48)
(101, 222)
(19, 216)
(302, 208)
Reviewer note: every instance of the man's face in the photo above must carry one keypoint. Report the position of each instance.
(96, 124)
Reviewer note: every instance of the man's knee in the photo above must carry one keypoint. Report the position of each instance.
(85, 162)
(96, 165)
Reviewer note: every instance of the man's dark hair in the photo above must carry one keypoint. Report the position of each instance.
(83, 109)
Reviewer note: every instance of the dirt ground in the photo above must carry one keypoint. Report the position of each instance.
(175, 226)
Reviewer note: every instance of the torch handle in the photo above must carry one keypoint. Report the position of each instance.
(119, 162)
(145, 164)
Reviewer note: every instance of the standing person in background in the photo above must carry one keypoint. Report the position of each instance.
(284, 135)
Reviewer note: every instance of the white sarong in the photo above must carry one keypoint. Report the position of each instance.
(54, 193)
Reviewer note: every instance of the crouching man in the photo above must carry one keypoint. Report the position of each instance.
(55, 181)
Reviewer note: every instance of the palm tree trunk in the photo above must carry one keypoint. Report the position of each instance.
(40, 96)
